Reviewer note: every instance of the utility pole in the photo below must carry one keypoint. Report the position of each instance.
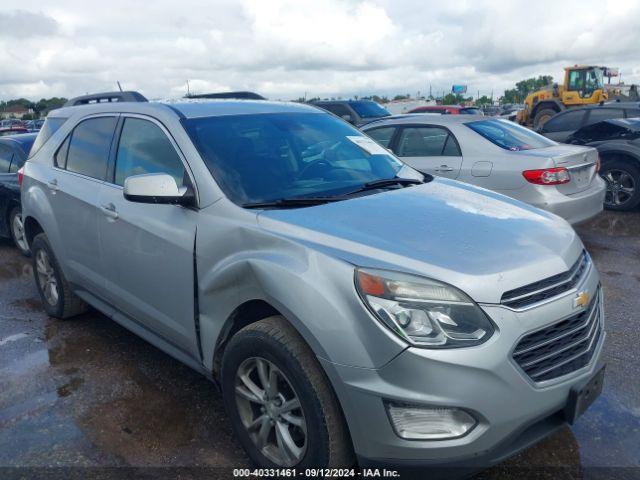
(188, 90)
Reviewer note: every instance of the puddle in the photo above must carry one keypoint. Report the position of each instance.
(615, 224)
(27, 363)
(13, 338)
(31, 304)
(15, 269)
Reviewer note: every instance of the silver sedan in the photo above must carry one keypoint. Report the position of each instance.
(501, 156)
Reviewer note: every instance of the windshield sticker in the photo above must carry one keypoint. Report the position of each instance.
(368, 145)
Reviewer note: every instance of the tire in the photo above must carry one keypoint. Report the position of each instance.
(542, 116)
(16, 228)
(623, 184)
(60, 302)
(323, 440)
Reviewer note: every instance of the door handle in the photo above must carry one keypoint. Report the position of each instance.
(53, 185)
(444, 168)
(109, 210)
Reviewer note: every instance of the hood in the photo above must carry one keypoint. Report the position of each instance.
(479, 241)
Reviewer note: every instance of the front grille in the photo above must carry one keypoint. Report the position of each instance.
(563, 347)
(550, 287)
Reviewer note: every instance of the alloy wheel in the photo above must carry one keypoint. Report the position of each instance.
(17, 228)
(271, 412)
(620, 187)
(46, 278)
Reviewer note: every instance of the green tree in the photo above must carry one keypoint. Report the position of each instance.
(484, 100)
(452, 99)
(525, 87)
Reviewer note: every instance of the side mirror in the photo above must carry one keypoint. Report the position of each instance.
(155, 188)
(347, 117)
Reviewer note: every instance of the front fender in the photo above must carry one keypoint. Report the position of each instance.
(312, 290)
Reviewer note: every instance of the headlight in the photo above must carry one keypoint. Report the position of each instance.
(424, 312)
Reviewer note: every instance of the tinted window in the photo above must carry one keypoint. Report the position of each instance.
(337, 109)
(509, 135)
(600, 131)
(50, 126)
(60, 158)
(144, 148)
(382, 135)
(471, 111)
(568, 121)
(369, 109)
(5, 158)
(89, 147)
(16, 164)
(451, 148)
(265, 157)
(423, 142)
(599, 114)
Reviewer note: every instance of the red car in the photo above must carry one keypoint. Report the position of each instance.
(12, 131)
(448, 110)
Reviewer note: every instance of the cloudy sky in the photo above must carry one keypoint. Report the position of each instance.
(286, 48)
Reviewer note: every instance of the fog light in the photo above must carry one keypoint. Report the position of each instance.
(415, 422)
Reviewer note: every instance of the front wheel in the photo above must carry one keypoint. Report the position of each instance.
(281, 404)
(623, 185)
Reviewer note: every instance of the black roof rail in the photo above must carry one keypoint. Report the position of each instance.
(230, 95)
(106, 97)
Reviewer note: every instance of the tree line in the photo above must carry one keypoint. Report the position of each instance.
(40, 108)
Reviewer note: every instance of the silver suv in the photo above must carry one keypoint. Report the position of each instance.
(350, 308)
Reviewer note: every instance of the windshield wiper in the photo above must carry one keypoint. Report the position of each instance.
(293, 202)
(386, 182)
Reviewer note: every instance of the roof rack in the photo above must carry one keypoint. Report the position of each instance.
(230, 95)
(106, 97)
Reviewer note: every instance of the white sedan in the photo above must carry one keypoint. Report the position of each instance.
(498, 155)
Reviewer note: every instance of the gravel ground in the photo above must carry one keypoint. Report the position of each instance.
(87, 393)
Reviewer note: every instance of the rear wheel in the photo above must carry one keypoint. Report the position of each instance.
(58, 299)
(623, 185)
(542, 116)
(16, 226)
(281, 404)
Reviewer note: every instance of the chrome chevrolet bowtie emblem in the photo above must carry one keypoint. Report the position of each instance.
(581, 299)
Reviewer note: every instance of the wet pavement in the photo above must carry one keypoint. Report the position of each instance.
(87, 393)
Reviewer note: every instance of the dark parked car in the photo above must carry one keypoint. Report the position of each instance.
(448, 110)
(357, 112)
(618, 142)
(13, 153)
(563, 124)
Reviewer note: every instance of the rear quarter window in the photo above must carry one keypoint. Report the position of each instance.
(50, 126)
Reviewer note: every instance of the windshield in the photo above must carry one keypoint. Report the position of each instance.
(369, 109)
(471, 111)
(268, 157)
(509, 135)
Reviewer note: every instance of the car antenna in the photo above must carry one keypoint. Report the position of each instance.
(119, 86)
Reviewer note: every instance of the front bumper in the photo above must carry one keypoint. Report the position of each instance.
(513, 412)
(577, 207)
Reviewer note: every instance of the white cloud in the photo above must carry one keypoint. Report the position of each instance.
(286, 48)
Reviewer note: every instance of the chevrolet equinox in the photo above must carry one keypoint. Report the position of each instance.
(351, 309)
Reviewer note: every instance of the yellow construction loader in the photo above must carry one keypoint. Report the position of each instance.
(583, 85)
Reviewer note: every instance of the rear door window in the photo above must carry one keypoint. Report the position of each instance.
(425, 142)
(382, 135)
(90, 145)
(600, 114)
(569, 121)
(144, 148)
